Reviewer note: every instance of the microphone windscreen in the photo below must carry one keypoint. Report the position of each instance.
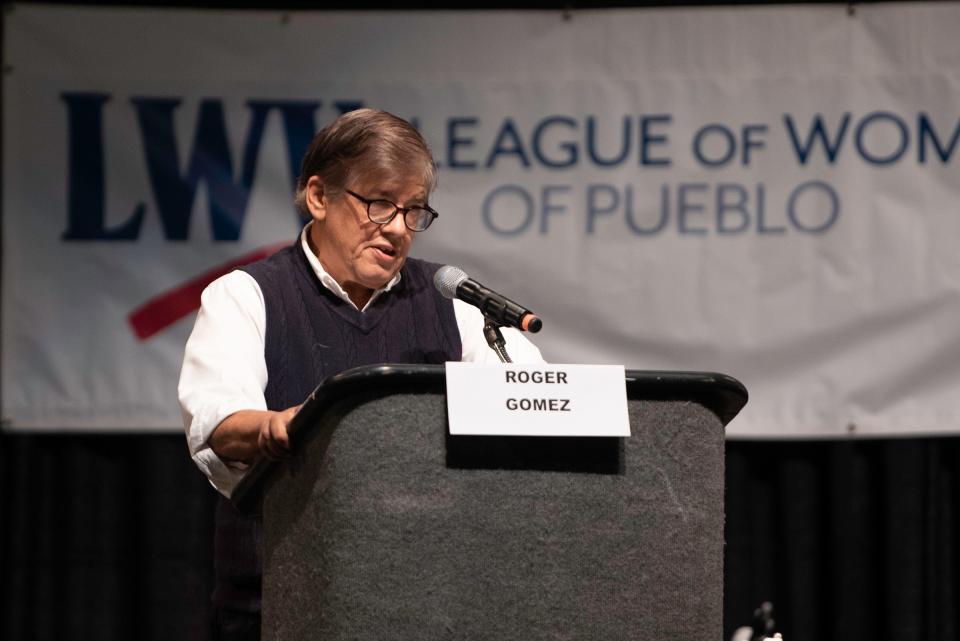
(447, 279)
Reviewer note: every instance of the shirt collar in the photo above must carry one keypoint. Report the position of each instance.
(327, 280)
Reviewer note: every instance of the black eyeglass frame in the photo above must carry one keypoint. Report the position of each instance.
(397, 209)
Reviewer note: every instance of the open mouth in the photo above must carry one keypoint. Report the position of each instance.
(387, 251)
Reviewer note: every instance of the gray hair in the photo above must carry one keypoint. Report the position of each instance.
(365, 142)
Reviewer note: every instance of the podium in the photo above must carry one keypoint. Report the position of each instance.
(383, 526)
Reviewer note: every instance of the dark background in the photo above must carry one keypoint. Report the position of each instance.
(111, 537)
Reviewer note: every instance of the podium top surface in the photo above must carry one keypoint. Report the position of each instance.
(722, 395)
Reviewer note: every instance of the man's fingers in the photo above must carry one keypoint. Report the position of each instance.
(278, 431)
(272, 440)
(263, 444)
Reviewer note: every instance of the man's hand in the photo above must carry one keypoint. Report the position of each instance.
(247, 434)
(273, 440)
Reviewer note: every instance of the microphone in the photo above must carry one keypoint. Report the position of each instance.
(453, 282)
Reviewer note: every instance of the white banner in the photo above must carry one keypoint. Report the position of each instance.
(768, 192)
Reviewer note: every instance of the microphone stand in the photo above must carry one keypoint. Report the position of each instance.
(491, 331)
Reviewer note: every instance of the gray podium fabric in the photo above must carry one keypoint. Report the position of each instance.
(369, 535)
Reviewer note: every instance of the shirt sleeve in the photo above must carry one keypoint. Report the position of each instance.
(223, 370)
(470, 322)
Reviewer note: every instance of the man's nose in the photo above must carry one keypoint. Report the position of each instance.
(396, 227)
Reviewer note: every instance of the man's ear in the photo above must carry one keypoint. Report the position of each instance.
(316, 198)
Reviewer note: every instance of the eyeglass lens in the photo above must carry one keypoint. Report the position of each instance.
(382, 211)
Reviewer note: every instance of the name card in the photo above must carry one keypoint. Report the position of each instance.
(537, 400)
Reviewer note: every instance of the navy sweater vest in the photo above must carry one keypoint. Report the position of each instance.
(312, 334)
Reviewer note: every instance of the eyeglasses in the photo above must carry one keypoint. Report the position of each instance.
(381, 212)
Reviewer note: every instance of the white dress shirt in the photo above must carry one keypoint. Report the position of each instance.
(224, 369)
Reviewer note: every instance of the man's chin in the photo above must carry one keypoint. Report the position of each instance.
(379, 277)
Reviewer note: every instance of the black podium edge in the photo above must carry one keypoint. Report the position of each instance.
(723, 395)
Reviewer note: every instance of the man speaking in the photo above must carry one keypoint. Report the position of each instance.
(345, 294)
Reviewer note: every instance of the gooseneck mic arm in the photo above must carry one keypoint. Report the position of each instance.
(491, 331)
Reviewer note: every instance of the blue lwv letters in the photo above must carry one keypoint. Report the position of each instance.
(174, 187)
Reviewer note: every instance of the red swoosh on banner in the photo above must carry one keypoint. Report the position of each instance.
(164, 310)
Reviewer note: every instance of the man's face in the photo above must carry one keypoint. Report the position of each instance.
(359, 254)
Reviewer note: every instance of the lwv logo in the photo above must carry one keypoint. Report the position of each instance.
(174, 186)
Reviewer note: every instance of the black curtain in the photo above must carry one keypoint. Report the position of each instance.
(103, 537)
(852, 539)
(110, 537)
